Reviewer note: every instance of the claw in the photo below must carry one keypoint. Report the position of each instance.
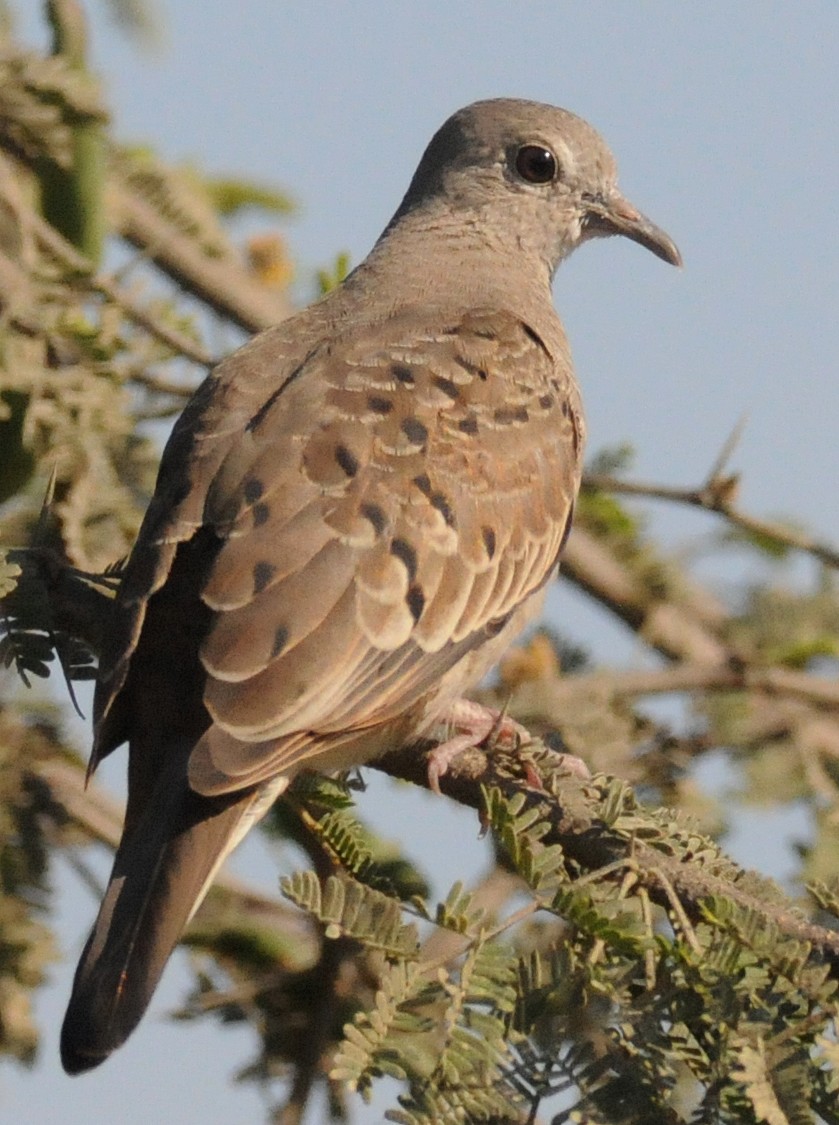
(483, 726)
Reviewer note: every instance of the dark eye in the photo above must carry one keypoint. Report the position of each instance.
(536, 164)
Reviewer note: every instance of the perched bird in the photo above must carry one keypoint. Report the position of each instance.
(354, 515)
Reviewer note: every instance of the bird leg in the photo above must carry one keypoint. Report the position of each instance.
(471, 725)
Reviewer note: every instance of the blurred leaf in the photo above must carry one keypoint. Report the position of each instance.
(230, 196)
(606, 515)
(766, 545)
(611, 461)
(330, 279)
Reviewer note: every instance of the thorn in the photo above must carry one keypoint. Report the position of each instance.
(40, 533)
(494, 731)
(724, 456)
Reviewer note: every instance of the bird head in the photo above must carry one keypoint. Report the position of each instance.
(534, 177)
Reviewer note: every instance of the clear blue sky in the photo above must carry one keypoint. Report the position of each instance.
(723, 118)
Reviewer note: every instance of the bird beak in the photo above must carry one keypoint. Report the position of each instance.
(613, 214)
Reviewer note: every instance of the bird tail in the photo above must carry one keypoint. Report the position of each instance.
(162, 870)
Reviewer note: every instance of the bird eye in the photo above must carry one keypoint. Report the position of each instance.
(536, 164)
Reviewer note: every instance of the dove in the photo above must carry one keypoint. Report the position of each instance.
(354, 515)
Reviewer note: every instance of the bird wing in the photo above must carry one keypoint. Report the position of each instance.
(379, 514)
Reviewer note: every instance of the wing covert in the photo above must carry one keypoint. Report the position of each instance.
(381, 517)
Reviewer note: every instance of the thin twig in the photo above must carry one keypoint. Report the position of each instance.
(684, 677)
(162, 386)
(668, 877)
(180, 342)
(716, 496)
(725, 454)
(69, 257)
(221, 283)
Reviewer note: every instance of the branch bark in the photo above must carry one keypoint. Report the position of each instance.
(577, 825)
(223, 284)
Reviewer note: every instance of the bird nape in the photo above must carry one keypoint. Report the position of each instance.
(355, 514)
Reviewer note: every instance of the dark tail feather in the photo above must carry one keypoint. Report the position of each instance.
(160, 874)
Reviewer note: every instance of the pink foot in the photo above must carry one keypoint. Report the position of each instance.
(476, 725)
(574, 765)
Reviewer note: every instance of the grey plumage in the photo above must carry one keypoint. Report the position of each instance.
(354, 515)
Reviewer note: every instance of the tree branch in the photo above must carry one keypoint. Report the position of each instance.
(72, 260)
(717, 495)
(560, 694)
(223, 284)
(575, 810)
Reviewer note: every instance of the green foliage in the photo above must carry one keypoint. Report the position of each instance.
(349, 909)
(457, 913)
(320, 813)
(522, 836)
(443, 1034)
(9, 574)
(792, 628)
(767, 545)
(635, 974)
(18, 461)
(611, 461)
(180, 195)
(604, 514)
(624, 1009)
(389, 1039)
(40, 99)
(230, 196)
(31, 824)
(328, 279)
(29, 637)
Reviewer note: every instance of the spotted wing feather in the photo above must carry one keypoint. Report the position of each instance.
(385, 515)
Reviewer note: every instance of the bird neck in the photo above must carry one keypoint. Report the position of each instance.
(444, 259)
